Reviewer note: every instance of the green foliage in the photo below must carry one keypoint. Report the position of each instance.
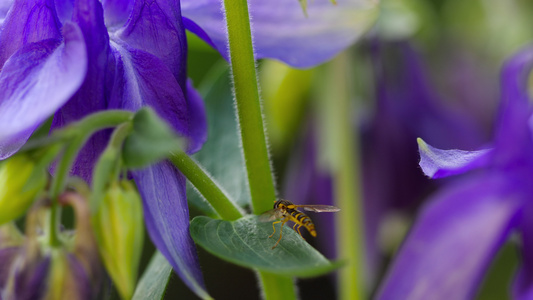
(154, 280)
(221, 155)
(246, 242)
(151, 140)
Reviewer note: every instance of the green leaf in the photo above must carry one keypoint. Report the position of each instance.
(151, 140)
(221, 155)
(246, 242)
(154, 280)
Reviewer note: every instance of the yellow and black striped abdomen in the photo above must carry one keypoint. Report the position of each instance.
(302, 219)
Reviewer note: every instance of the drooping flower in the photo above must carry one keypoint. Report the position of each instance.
(461, 229)
(61, 58)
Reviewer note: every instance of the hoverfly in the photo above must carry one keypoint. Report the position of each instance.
(286, 211)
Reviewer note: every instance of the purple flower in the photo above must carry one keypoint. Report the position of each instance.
(75, 57)
(461, 229)
(65, 58)
(282, 31)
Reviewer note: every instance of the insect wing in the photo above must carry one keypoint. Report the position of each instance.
(268, 216)
(319, 208)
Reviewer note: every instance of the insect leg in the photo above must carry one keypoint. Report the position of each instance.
(298, 229)
(281, 231)
(274, 228)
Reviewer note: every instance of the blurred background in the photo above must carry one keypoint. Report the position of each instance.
(428, 68)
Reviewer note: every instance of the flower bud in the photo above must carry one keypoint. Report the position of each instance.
(118, 224)
(20, 182)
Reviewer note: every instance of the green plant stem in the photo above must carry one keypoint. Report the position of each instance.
(277, 287)
(340, 143)
(206, 185)
(58, 185)
(78, 133)
(97, 121)
(253, 136)
(108, 167)
(249, 106)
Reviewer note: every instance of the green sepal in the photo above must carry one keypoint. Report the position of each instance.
(10, 236)
(246, 242)
(303, 5)
(63, 281)
(150, 141)
(118, 227)
(107, 165)
(21, 180)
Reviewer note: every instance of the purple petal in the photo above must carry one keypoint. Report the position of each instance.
(166, 214)
(282, 31)
(513, 137)
(515, 76)
(143, 80)
(30, 281)
(116, 12)
(453, 241)
(523, 285)
(198, 121)
(64, 10)
(7, 256)
(35, 82)
(27, 22)
(155, 27)
(77, 283)
(93, 94)
(437, 163)
(194, 28)
(4, 8)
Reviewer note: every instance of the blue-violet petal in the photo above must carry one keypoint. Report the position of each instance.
(453, 241)
(166, 215)
(438, 163)
(35, 82)
(282, 31)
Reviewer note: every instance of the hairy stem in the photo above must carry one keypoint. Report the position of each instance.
(253, 135)
(206, 185)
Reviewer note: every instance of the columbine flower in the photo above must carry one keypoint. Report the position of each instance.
(54, 53)
(457, 235)
(73, 58)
